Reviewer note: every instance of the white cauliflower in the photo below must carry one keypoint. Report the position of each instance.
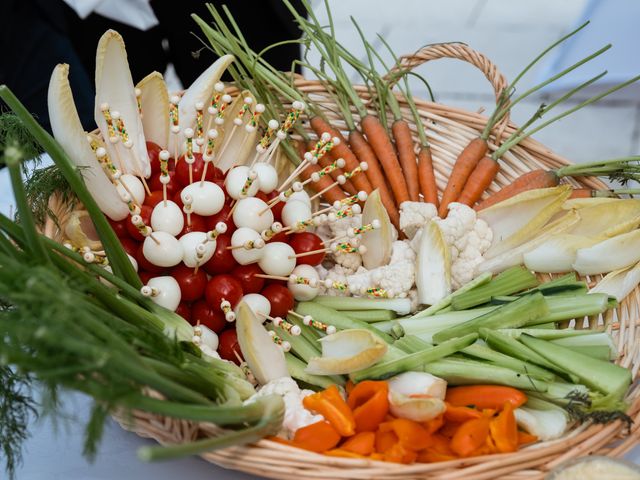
(414, 215)
(295, 416)
(337, 273)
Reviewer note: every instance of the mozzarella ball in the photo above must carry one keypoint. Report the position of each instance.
(239, 238)
(295, 211)
(133, 186)
(168, 292)
(301, 196)
(267, 176)
(278, 259)
(191, 245)
(167, 218)
(166, 253)
(208, 337)
(301, 292)
(258, 305)
(208, 198)
(253, 213)
(235, 181)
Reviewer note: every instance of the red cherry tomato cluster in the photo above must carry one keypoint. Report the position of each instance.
(221, 278)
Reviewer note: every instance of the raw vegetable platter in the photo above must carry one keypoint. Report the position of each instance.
(333, 281)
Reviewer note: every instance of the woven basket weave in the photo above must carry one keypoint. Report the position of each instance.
(449, 130)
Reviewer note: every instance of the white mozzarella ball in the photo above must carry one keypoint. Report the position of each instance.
(166, 253)
(295, 211)
(253, 213)
(278, 259)
(301, 292)
(235, 181)
(133, 261)
(301, 196)
(131, 184)
(208, 198)
(258, 304)
(208, 337)
(190, 245)
(239, 238)
(267, 176)
(169, 294)
(167, 218)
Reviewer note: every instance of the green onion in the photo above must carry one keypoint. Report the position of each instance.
(402, 306)
(510, 281)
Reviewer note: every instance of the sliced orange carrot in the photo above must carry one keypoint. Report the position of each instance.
(471, 435)
(479, 180)
(504, 430)
(369, 401)
(427, 177)
(330, 404)
(406, 155)
(362, 443)
(485, 396)
(317, 437)
(529, 181)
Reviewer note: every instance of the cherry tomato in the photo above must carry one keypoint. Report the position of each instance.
(146, 265)
(222, 261)
(246, 275)
(192, 284)
(280, 298)
(207, 316)
(262, 196)
(146, 276)
(155, 198)
(184, 310)
(277, 208)
(130, 246)
(153, 150)
(182, 171)
(120, 227)
(307, 242)
(223, 287)
(155, 183)
(222, 216)
(198, 224)
(145, 213)
(280, 237)
(228, 347)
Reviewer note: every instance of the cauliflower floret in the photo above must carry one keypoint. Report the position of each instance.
(360, 280)
(295, 416)
(397, 278)
(340, 227)
(336, 274)
(401, 251)
(348, 261)
(413, 215)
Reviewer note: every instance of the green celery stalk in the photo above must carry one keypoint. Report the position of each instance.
(506, 361)
(599, 375)
(411, 344)
(508, 282)
(544, 326)
(564, 307)
(414, 361)
(515, 314)
(372, 316)
(601, 352)
(567, 278)
(602, 343)
(300, 346)
(435, 323)
(402, 306)
(468, 372)
(297, 368)
(545, 334)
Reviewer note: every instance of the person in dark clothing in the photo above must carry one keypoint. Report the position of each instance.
(38, 34)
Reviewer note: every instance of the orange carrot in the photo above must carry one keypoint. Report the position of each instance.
(326, 160)
(385, 440)
(465, 164)
(479, 180)
(460, 414)
(376, 176)
(370, 404)
(485, 396)
(504, 430)
(317, 437)
(400, 453)
(330, 404)
(531, 180)
(362, 443)
(329, 196)
(582, 193)
(426, 176)
(381, 145)
(342, 150)
(410, 434)
(470, 436)
(433, 425)
(407, 157)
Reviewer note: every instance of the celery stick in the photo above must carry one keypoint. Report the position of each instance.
(482, 279)
(469, 372)
(566, 279)
(339, 320)
(434, 323)
(411, 344)
(601, 352)
(414, 361)
(299, 344)
(601, 341)
(372, 316)
(297, 368)
(565, 307)
(311, 334)
(508, 282)
(402, 306)
(501, 360)
(545, 334)
(603, 376)
(515, 314)
(544, 326)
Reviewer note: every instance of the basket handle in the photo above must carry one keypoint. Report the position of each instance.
(459, 51)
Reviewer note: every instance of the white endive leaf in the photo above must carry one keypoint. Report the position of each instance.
(433, 272)
(114, 86)
(515, 256)
(606, 220)
(264, 358)
(612, 254)
(347, 351)
(200, 91)
(620, 283)
(557, 254)
(237, 145)
(154, 101)
(519, 218)
(68, 131)
(572, 203)
(544, 424)
(378, 242)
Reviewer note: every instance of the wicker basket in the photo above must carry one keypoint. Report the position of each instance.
(449, 130)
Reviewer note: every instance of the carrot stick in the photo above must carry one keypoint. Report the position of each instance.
(426, 176)
(329, 196)
(465, 164)
(479, 180)
(342, 150)
(381, 145)
(529, 181)
(485, 396)
(407, 156)
(365, 153)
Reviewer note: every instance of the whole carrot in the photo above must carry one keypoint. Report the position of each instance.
(381, 145)
(426, 176)
(479, 180)
(485, 396)
(529, 181)
(330, 195)
(406, 154)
